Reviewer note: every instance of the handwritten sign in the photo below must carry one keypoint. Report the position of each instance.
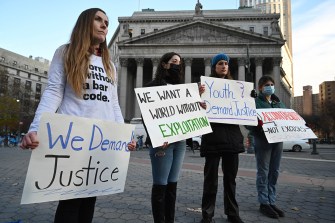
(172, 113)
(77, 157)
(281, 125)
(229, 101)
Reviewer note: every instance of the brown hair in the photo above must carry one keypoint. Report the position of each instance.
(263, 81)
(161, 71)
(214, 74)
(76, 55)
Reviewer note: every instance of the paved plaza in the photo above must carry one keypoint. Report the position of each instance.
(306, 191)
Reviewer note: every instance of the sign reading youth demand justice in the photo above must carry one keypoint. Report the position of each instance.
(77, 157)
(229, 101)
(281, 125)
(172, 113)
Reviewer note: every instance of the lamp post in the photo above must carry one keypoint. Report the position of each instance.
(20, 123)
(314, 152)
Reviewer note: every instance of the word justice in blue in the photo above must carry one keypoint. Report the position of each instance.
(235, 109)
(97, 140)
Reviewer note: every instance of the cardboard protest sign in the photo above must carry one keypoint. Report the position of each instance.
(77, 157)
(284, 125)
(229, 101)
(172, 113)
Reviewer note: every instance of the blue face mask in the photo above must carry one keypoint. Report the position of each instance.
(268, 90)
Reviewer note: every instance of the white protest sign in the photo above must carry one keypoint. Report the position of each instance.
(281, 125)
(77, 157)
(229, 101)
(172, 113)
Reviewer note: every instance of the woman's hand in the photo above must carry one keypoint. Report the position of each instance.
(165, 145)
(201, 89)
(132, 145)
(203, 104)
(29, 141)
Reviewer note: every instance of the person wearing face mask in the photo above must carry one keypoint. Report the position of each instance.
(225, 142)
(166, 160)
(268, 155)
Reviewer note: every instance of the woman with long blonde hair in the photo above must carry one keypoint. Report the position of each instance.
(82, 82)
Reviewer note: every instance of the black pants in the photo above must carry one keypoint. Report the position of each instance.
(78, 210)
(229, 168)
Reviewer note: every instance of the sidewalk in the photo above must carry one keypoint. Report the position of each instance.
(304, 198)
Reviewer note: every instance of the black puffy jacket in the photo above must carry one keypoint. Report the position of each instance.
(225, 138)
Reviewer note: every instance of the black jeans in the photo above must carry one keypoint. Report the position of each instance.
(78, 210)
(229, 168)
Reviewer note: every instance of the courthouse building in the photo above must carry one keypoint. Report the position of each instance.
(252, 39)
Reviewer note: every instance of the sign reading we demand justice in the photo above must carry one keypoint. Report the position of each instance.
(284, 125)
(77, 157)
(172, 113)
(229, 101)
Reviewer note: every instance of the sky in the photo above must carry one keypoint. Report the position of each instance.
(38, 27)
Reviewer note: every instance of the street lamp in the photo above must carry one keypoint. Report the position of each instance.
(20, 123)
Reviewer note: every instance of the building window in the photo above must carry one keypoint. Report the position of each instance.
(17, 80)
(36, 69)
(45, 72)
(155, 30)
(251, 29)
(38, 87)
(265, 31)
(28, 85)
(142, 31)
(26, 66)
(4, 84)
(2, 59)
(15, 63)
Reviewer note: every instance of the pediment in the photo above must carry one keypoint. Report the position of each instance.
(200, 33)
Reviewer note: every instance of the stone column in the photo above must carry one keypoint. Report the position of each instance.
(259, 70)
(123, 85)
(154, 66)
(139, 83)
(188, 63)
(241, 69)
(276, 75)
(207, 66)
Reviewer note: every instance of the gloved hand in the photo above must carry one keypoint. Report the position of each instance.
(260, 123)
(253, 93)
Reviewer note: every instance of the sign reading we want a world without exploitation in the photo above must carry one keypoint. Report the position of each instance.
(172, 113)
(77, 157)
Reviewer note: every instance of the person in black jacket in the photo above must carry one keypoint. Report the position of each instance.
(225, 142)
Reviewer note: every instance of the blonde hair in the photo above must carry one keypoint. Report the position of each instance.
(76, 55)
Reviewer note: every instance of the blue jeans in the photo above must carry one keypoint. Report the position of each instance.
(166, 169)
(268, 156)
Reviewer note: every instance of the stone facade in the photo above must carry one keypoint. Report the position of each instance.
(24, 79)
(144, 37)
